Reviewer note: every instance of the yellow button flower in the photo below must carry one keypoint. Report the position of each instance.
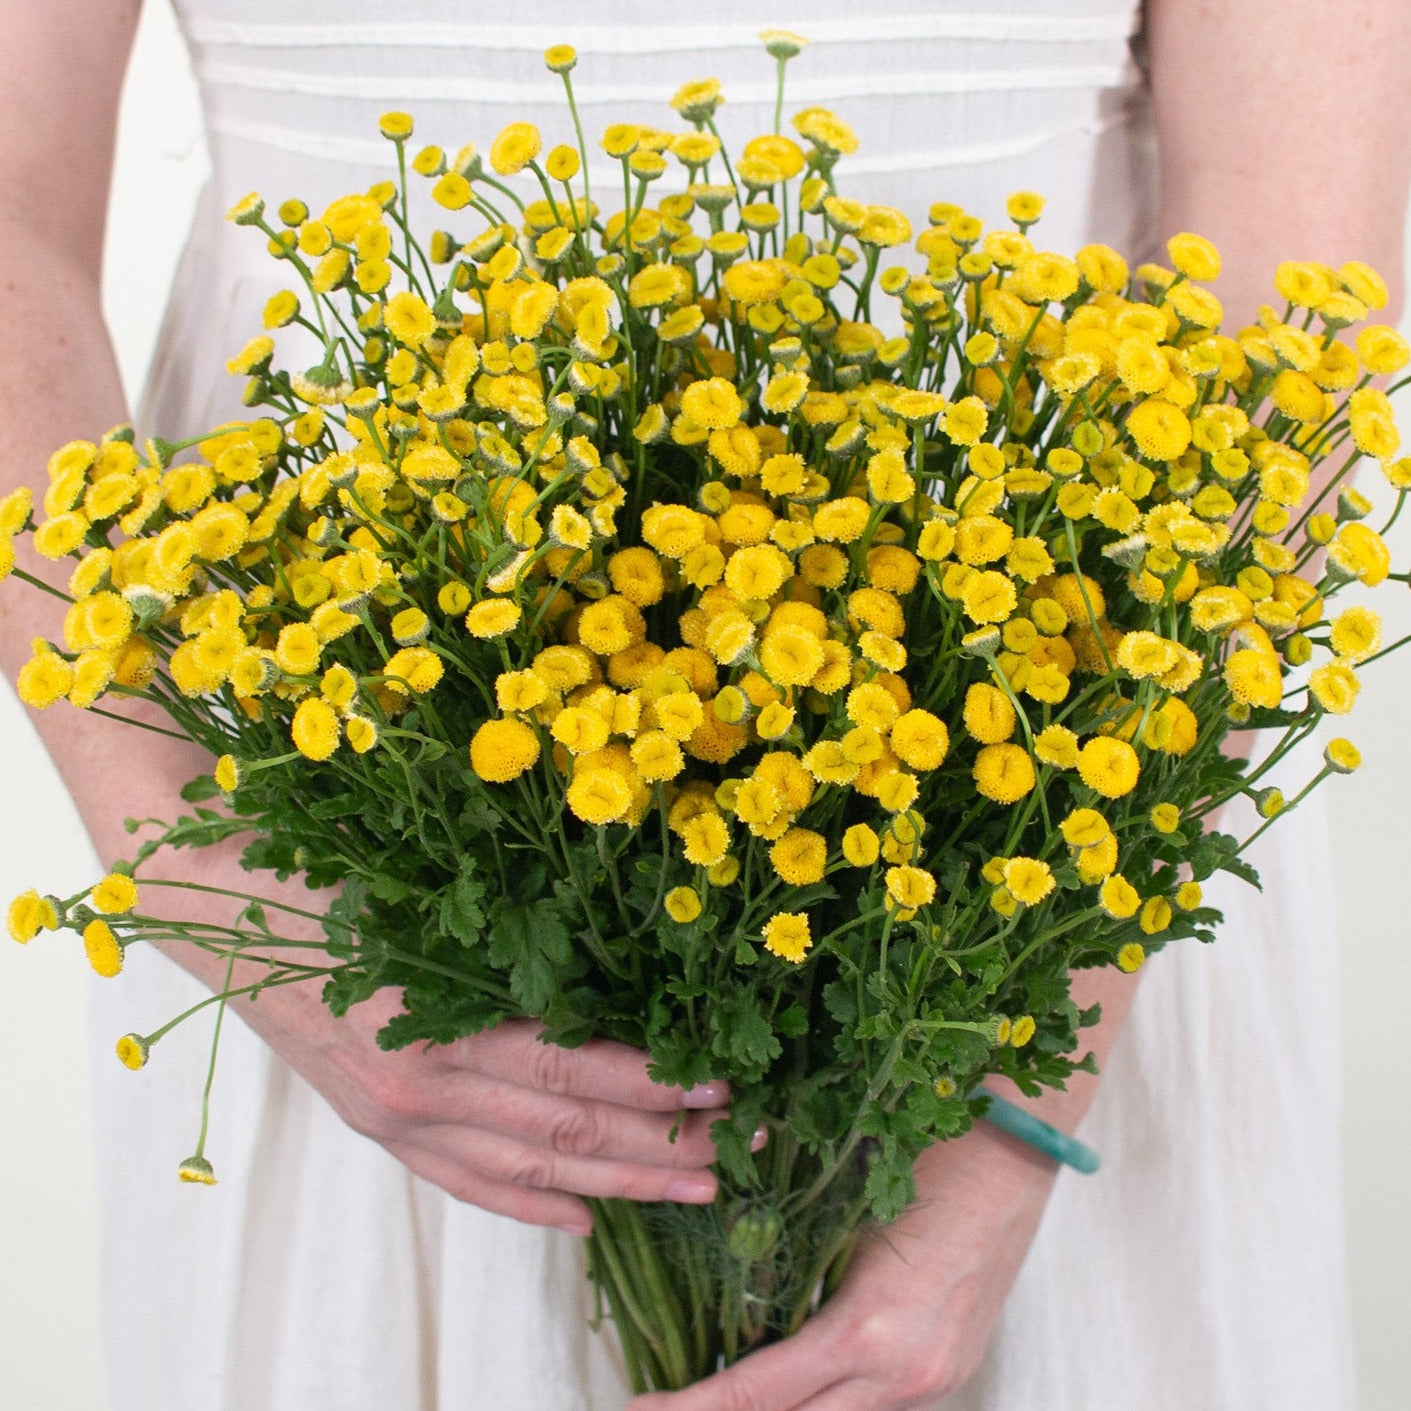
(1004, 773)
(501, 750)
(786, 934)
(1109, 766)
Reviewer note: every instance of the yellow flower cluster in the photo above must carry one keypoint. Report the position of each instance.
(699, 538)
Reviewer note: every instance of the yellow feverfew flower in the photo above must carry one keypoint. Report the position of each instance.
(45, 678)
(1085, 828)
(61, 534)
(861, 845)
(1109, 766)
(1097, 861)
(872, 704)
(1355, 633)
(1361, 553)
(965, 421)
(115, 894)
(132, 1051)
(1028, 879)
(1023, 1030)
(1166, 818)
(297, 649)
(503, 749)
(103, 948)
(254, 355)
(1188, 896)
(786, 934)
(29, 914)
(1334, 686)
(683, 904)
(1159, 429)
(415, 669)
(196, 1170)
(706, 839)
(1131, 956)
(1255, 678)
(1194, 256)
(989, 597)
(1156, 915)
(228, 773)
(920, 740)
(1342, 756)
(989, 714)
(1119, 899)
(316, 729)
(1004, 773)
(910, 887)
(580, 730)
(515, 147)
(493, 617)
(657, 756)
(599, 796)
(396, 127)
(799, 857)
(1057, 746)
(408, 319)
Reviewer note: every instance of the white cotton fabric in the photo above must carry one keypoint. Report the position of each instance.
(1201, 1270)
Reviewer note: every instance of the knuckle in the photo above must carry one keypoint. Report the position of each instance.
(927, 1373)
(866, 1340)
(381, 1101)
(576, 1131)
(744, 1396)
(536, 1170)
(551, 1068)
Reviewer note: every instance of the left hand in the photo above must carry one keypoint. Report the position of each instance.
(911, 1320)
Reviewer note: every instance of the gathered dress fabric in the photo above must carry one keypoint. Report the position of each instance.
(1200, 1270)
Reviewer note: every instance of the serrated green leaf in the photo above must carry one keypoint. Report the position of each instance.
(891, 1186)
(462, 915)
(741, 1033)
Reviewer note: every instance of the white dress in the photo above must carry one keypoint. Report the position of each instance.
(1202, 1269)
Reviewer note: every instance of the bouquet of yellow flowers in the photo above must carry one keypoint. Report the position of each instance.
(692, 627)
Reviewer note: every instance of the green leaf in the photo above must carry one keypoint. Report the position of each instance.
(390, 889)
(734, 1135)
(891, 1186)
(819, 1116)
(340, 921)
(793, 1022)
(533, 944)
(1241, 869)
(452, 1019)
(340, 806)
(742, 1033)
(199, 789)
(677, 1060)
(461, 914)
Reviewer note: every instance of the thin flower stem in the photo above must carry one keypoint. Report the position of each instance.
(238, 896)
(39, 583)
(211, 1066)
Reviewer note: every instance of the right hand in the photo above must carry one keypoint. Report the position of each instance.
(502, 1119)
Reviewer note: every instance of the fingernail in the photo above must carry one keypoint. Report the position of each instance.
(761, 1135)
(581, 1228)
(707, 1095)
(691, 1192)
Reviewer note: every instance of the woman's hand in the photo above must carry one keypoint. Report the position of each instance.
(914, 1313)
(503, 1120)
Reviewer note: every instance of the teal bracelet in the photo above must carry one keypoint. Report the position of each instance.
(1029, 1129)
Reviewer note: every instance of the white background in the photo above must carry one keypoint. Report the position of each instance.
(50, 1356)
